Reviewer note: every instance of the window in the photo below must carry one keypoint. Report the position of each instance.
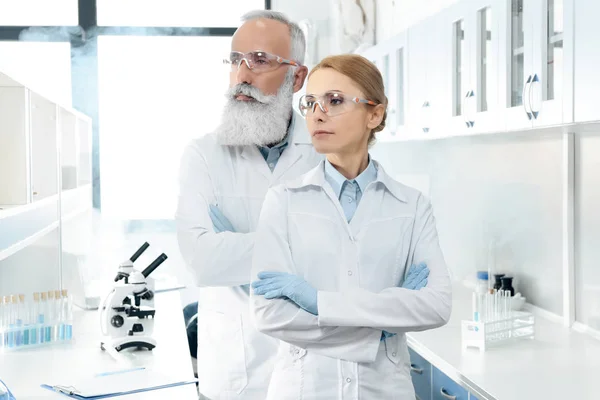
(174, 13)
(400, 80)
(459, 55)
(38, 12)
(155, 94)
(517, 52)
(485, 52)
(21, 60)
(554, 60)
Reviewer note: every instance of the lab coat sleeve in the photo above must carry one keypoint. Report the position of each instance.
(283, 319)
(216, 259)
(396, 309)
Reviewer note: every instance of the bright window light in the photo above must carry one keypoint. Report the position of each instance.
(22, 61)
(156, 94)
(38, 12)
(175, 13)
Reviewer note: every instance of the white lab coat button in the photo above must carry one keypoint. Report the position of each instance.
(349, 199)
(348, 380)
(393, 354)
(272, 165)
(349, 273)
(297, 351)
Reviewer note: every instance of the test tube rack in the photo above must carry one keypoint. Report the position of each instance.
(486, 334)
(34, 335)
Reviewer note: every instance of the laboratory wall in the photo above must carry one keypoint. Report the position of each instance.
(587, 229)
(498, 204)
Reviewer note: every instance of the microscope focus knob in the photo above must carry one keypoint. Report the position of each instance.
(117, 321)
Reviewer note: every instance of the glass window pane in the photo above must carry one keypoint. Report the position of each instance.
(459, 52)
(400, 94)
(38, 13)
(517, 54)
(554, 62)
(485, 52)
(156, 94)
(188, 13)
(21, 60)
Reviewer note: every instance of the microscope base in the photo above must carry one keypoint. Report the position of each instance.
(126, 342)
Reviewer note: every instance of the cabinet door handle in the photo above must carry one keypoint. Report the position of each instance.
(525, 98)
(446, 395)
(414, 368)
(535, 80)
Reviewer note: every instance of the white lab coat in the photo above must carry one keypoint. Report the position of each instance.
(234, 360)
(357, 269)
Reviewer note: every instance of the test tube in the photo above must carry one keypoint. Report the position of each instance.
(42, 317)
(58, 315)
(34, 319)
(21, 321)
(68, 314)
(12, 310)
(2, 318)
(50, 316)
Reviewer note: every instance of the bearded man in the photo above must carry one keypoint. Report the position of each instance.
(224, 178)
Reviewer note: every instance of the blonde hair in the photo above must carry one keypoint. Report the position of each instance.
(365, 74)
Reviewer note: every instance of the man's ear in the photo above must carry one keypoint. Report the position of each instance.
(300, 77)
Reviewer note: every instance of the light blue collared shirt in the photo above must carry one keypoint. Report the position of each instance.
(272, 154)
(349, 192)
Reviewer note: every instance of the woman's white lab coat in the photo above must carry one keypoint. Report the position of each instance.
(357, 268)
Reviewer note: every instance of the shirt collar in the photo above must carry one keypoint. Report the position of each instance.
(316, 177)
(336, 180)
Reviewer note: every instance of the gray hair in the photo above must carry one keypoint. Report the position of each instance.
(296, 34)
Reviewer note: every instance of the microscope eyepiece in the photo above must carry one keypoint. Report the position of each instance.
(139, 252)
(150, 268)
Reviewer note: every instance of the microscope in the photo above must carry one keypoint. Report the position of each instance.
(127, 312)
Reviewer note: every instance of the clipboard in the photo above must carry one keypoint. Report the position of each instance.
(117, 384)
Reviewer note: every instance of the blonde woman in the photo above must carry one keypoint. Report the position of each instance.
(346, 259)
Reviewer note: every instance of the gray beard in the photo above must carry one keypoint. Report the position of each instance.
(261, 122)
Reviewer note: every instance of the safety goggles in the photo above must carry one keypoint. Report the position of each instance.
(331, 103)
(258, 61)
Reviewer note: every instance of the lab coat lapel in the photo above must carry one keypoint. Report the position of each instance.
(256, 161)
(299, 142)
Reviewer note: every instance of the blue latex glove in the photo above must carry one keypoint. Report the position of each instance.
(220, 222)
(280, 284)
(415, 279)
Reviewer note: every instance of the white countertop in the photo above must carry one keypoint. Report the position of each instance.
(558, 364)
(24, 370)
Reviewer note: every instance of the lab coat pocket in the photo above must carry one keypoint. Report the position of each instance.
(221, 349)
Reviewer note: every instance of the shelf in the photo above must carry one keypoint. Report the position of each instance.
(20, 245)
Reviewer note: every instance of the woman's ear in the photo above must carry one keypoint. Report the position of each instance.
(376, 116)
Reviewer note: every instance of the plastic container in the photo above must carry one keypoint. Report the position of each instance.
(482, 282)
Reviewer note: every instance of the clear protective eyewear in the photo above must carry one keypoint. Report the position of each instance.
(331, 103)
(258, 61)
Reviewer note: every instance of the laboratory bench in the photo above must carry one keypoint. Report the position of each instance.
(558, 363)
(24, 370)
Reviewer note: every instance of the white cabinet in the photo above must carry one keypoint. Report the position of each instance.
(391, 59)
(536, 57)
(587, 78)
(472, 100)
(427, 57)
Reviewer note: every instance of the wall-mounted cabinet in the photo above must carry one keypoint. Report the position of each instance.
(391, 60)
(537, 62)
(427, 58)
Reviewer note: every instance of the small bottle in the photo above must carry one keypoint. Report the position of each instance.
(507, 285)
(498, 281)
(68, 314)
(482, 282)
